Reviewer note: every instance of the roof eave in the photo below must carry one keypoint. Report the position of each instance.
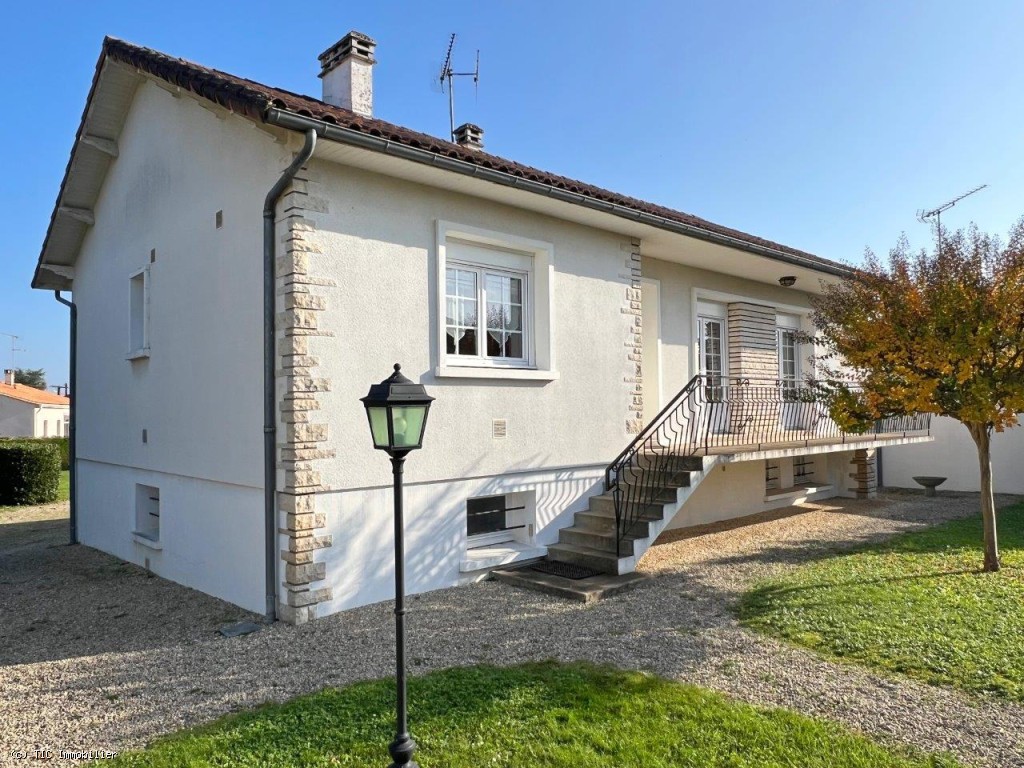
(292, 121)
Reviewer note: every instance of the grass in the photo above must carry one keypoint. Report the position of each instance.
(533, 716)
(916, 605)
(64, 486)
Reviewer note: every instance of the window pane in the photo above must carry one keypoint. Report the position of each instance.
(494, 344)
(516, 290)
(450, 336)
(467, 284)
(467, 344)
(493, 287)
(450, 281)
(467, 313)
(514, 345)
(450, 311)
(495, 316)
(514, 318)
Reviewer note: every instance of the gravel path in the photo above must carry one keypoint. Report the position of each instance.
(96, 654)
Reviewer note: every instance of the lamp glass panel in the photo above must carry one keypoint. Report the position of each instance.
(379, 425)
(408, 424)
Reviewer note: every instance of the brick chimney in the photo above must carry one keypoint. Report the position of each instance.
(347, 71)
(9, 377)
(470, 136)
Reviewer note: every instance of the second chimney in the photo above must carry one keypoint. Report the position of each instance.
(9, 377)
(347, 71)
(470, 136)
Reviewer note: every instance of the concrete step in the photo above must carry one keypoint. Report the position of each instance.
(603, 541)
(665, 479)
(604, 522)
(588, 590)
(662, 460)
(606, 562)
(606, 503)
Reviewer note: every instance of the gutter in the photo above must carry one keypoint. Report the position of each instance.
(73, 412)
(269, 361)
(291, 121)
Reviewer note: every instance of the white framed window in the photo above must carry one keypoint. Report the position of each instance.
(138, 314)
(486, 312)
(495, 305)
(500, 518)
(787, 336)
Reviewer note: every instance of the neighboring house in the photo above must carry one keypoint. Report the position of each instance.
(552, 320)
(29, 412)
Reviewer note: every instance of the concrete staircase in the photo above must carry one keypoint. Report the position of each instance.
(591, 541)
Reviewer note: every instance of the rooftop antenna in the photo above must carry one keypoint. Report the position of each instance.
(923, 215)
(14, 346)
(448, 75)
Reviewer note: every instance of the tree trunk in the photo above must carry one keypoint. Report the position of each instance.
(982, 434)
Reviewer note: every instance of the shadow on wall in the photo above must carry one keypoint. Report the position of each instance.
(361, 565)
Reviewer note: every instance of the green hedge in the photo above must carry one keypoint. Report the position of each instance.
(29, 472)
(60, 442)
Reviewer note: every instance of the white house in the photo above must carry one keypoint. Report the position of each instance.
(29, 412)
(552, 320)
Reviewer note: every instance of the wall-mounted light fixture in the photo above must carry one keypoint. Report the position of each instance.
(787, 281)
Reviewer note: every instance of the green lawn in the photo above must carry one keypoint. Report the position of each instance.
(916, 605)
(64, 487)
(534, 716)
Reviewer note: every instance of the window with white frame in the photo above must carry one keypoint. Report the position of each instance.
(138, 310)
(485, 317)
(495, 295)
(789, 353)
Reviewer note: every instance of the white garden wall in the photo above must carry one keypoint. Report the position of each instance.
(954, 456)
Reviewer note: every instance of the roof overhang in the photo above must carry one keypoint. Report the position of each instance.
(95, 149)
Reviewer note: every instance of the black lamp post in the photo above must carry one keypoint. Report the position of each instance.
(397, 410)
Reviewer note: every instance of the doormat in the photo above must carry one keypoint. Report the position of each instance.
(565, 570)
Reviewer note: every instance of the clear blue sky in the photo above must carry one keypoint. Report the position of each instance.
(821, 124)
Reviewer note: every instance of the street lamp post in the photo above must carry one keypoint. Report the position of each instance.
(397, 411)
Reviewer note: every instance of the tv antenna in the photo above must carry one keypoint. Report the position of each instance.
(448, 75)
(14, 346)
(923, 215)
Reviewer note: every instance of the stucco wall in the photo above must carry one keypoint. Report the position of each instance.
(47, 418)
(953, 455)
(17, 418)
(378, 242)
(198, 395)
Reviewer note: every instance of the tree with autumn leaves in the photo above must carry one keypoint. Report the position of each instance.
(939, 333)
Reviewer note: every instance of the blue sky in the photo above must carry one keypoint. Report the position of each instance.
(820, 124)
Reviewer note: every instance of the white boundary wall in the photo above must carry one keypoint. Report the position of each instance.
(953, 455)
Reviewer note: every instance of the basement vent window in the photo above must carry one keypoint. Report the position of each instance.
(500, 518)
(147, 512)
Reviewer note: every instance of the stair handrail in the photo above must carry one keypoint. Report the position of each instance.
(668, 420)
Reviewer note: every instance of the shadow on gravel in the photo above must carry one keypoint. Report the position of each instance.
(60, 601)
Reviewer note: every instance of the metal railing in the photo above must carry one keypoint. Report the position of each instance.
(713, 414)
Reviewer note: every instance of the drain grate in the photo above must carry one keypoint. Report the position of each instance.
(565, 570)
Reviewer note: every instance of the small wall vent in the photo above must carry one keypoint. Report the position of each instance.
(499, 428)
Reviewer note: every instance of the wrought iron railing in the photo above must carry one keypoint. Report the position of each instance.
(712, 414)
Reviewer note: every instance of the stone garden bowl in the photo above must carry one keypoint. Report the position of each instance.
(930, 483)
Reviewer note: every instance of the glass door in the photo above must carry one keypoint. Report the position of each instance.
(711, 342)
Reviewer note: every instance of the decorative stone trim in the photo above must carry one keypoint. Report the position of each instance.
(864, 476)
(302, 436)
(633, 308)
(753, 351)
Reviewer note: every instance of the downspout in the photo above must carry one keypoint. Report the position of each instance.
(269, 362)
(72, 431)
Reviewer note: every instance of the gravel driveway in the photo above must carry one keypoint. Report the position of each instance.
(96, 654)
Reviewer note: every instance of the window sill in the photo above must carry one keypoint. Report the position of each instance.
(485, 558)
(520, 374)
(138, 354)
(146, 541)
